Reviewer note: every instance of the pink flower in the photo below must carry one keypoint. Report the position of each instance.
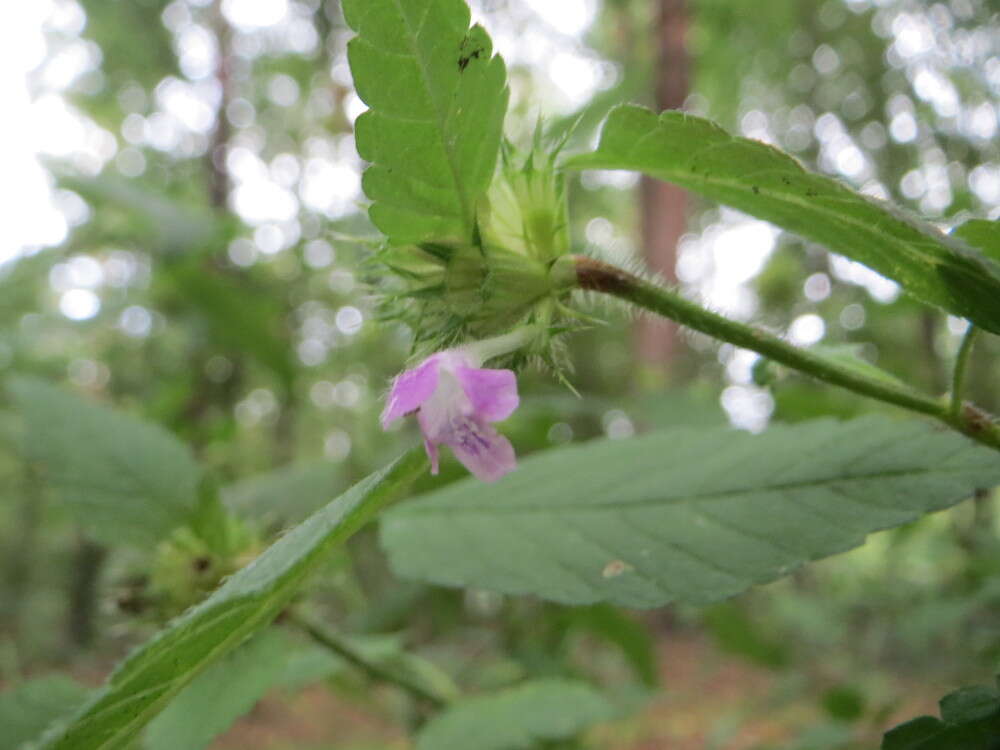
(456, 401)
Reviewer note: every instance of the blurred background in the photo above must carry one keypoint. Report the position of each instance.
(182, 237)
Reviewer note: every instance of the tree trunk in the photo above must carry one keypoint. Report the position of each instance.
(88, 559)
(664, 206)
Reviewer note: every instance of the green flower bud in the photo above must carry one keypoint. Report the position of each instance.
(186, 567)
(525, 209)
(449, 293)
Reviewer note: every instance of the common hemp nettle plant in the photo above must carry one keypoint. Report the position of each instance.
(506, 277)
(477, 249)
(478, 259)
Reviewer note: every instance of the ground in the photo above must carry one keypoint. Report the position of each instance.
(709, 701)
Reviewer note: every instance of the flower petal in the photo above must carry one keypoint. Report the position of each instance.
(446, 407)
(433, 455)
(493, 393)
(410, 389)
(481, 449)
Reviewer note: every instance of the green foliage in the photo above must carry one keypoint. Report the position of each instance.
(981, 234)
(438, 97)
(18, 293)
(385, 657)
(290, 493)
(123, 479)
(970, 720)
(516, 718)
(220, 695)
(26, 710)
(198, 124)
(156, 672)
(844, 702)
(135, 214)
(617, 628)
(737, 633)
(845, 355)
(721, 33)
(689, 515)
(191, 562)
(761, 180)
(128, 57)
(241, 317)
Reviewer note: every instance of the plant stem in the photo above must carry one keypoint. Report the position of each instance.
(497, 346)
(345, 650)
(961, 366)
(597, 276)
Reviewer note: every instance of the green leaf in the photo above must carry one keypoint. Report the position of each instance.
(738, 634)
(437, 96)
(625, 632)
(517, 718)
(29, 708)
(767, 183)
(220, 695)
(290, 493)
(387, 654)
(157, 671)
(981, 234)
(243, 317)
(849, 356)
(844, 702)
(695, 515)
(125, 480)
(133, 51)
(970, 720)
(134, 214)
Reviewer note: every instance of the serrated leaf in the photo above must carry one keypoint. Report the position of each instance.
(290, 493)
(516, 718)
(764, 182)
(437, 98)
(123, 479)
(220, 695)
(970, 720)
(26, 710)
(694, 515)
(248, 601)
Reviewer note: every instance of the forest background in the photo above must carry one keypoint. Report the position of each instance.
(185, 242)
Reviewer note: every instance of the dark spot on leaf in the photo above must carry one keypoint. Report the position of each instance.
(470, 50)
(756, 190)
(811, 193)
(463, 61)
(201, 564)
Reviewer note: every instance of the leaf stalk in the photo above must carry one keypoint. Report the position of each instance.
(961, 367)
(597, 276)
(340, 646)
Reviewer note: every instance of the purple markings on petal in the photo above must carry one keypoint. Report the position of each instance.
(482, 450)
(493, 393)
(455, 404)
(410, 389)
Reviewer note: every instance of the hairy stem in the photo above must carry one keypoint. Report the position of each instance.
(598, 276)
